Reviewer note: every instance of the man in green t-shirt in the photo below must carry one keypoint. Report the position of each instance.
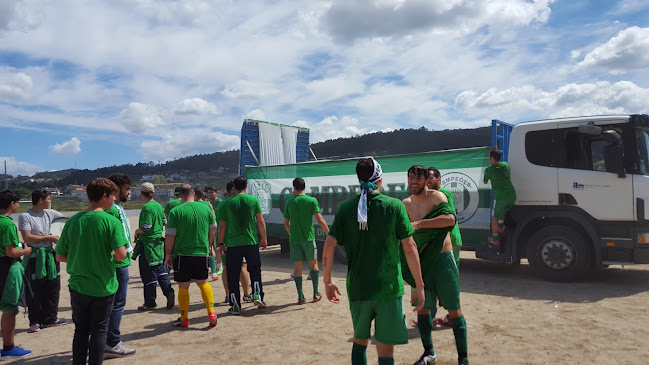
(371, 227)
(150, 249)
(115, 348)
(11, 273)
(238, 221)
(216, 264)
(90, 243)
(298, 221)
(433, 220)
(173, 202)
(504, 194)
(190, 229)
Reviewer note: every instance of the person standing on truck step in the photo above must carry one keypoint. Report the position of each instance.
(434, 182)
(90, 243)
(298, 221)
(238, 219)
(504, 193)
(190, 229)
(433, 220)
(42, 272)
(150, 249)
(114, 346)
(371, 227)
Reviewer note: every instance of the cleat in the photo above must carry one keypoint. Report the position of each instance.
(212, 318)
(317, 298)
(426, 360)
(301, 301)
(34, 328)
(180, 323)
(171, 301)
(463, 361)
(247, 298)
(143, 308)
(494, 243)
(235, 310)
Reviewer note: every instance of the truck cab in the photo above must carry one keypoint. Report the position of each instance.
(582, 188)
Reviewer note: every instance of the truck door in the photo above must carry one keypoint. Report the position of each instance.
(588, 177)
(641, 198)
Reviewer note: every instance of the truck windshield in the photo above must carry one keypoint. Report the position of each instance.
(643, 149)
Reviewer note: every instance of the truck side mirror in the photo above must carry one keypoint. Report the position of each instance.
(590, 129)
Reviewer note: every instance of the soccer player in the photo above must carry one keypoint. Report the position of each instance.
(150, 249)
(190, 229)
(173, 202)
(216, 263)
(42, 271)
(433, 219)
(238, 219)
(434, 182)
(504, 193)
(90, 242)
(371, 227)
(114, 346)
(298, 221)
(11, 274)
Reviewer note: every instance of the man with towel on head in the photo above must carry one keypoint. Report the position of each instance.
(371, 227)
(433, 219)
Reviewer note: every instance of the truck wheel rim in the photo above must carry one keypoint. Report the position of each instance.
(558, 253)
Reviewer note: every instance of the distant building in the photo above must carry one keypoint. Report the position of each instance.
(147, 178)
(54, 191)
(70, 188)
(79, 193)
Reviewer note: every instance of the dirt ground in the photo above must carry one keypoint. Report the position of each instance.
(512, 318)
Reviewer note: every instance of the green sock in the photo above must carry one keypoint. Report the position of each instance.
(359, 356)
(212, 264)
(501, 224)
(386, 361)
(425, 327)
(314, 277)
(494, 238)
(298, 285)
(459, 331)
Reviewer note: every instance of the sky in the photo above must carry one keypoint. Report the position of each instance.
(88, 84)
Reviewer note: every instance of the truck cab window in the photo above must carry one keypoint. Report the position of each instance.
(643, 150)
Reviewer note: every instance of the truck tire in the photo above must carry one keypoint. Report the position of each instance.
(559, 253)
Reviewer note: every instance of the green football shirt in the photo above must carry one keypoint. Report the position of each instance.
(373, 261)
(216, 204)
(501, 182)
(88, 240)
(118, 212)
(192, 222)
(152, 215)
(239, 216)
(8, 235)
(300, 210)
(456, 238)
(171, 204)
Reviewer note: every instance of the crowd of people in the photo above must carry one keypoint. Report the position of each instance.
(387, 242)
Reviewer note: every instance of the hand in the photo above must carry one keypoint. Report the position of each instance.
(332, 290)
(54, 239)
(28, 251)
(136, 234)
(222, 249)
(263, 243)
(420, 297)
(169, 261)
(416, 225)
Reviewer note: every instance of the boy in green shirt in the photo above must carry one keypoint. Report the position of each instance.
(504, 193)
(190, 229)
(173, 202)
(150, 249)
(90, 243)
(216, 263)
(238, 220)
(11, 274)
(298, 221)
(371, 227)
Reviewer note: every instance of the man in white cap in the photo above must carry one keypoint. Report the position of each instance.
(150, 250)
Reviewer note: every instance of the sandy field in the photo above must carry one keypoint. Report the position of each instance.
(512, 318)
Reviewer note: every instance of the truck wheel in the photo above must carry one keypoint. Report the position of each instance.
(559, 253)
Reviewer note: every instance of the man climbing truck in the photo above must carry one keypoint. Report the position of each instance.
(582, 187)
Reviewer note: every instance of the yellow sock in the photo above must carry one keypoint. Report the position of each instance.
(208, 297)
(183, 303)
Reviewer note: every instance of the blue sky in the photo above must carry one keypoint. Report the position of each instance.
(99, 83)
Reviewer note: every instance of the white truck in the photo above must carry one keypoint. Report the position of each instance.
(582, 189)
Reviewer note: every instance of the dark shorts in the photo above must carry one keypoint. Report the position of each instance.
(188, 268)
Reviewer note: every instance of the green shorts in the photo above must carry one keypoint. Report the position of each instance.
(456, 256)
(443, 284)
(13, 288)
(303, 251)
(501, 207)
(390, 320)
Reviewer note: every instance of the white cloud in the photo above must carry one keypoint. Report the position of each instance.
(16, 168)
(196, 106)
(71, 147)
(140, 118)
(627, 51)
(630, 6)
(14, 85)
(256, 114)
(186, 142)
(244, 88)
(329, 89)
(333, 127)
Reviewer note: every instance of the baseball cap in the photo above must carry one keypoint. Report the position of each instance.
(147, 187)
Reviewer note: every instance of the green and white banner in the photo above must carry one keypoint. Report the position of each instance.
(333, 182)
